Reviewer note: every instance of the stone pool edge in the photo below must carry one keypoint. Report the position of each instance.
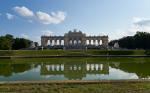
(58, 56)
(76, 81)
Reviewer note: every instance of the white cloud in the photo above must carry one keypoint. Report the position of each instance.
(119, 33)
(47, 33)
(138, 24)
(53, 18)
(9, 16)
(25, 36)
(43, 17)
(23, 11)
(141, 21)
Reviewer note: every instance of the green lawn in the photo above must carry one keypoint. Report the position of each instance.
(70, 52)
(72, 60)
(125, 87)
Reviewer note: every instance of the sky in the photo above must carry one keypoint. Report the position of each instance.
(33, 18)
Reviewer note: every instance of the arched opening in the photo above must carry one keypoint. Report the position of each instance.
(53, 42)
(96, 42)
(70, 42)
(62, 42)
(79, 41)
(57, 42)
(75, 42)
(100, 42)
(87, 42)
(48, 42)
(91, 42)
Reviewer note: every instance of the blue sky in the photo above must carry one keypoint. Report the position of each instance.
(33, 18)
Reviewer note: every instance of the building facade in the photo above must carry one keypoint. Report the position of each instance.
(74, 40)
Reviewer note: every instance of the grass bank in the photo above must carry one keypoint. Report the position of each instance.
(74, 60)
(110, 87)
(70, 52)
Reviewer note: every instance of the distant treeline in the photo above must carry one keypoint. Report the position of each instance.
(8, 42)
(141, 40)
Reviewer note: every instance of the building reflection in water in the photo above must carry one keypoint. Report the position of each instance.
(74, 71)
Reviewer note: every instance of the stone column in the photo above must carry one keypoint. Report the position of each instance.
(93, 41)
(83, 41)
(105, 41)
(65, 41)
(60, 42)
(44, 42)
(89, 41)
(98, 42)
(55, 42)
(77, 42)
(72, 40)
(50, 42)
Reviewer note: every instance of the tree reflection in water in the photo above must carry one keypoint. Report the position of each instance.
(75, 70)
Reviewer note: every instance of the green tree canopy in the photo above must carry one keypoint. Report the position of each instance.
(5, 43)
(20, 43)
(8, 42)
(141, 40)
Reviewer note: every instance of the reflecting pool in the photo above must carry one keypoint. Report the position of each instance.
(74, 69)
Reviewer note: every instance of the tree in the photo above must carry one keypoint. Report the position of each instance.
(8, 42)
(36, 44)
(20, 43)
(140, 40)
(111, 43)
(5, 43)
(127, 42)
(10, 37)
